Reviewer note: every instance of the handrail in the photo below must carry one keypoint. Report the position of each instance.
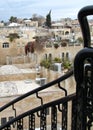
(79, 66)
(39, 108)
(65, 76)
(82, 17)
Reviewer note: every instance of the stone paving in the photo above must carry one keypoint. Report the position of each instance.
(11, 69)
(9, 88)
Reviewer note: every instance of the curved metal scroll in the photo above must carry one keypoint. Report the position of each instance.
(82, 17)
(84, 86)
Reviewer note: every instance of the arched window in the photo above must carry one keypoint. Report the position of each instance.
(50, 56)
(5, 45)
(67, 55)
(67, 33)
(63, 55)
(45, 57)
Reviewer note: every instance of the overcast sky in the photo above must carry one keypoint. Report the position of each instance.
(26, 8)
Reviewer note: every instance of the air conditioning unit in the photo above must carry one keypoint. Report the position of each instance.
(41, 81)
(57, 67)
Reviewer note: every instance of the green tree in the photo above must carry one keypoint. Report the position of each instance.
(80, 39)
(48, 19)
(13, 19)
(13, 36)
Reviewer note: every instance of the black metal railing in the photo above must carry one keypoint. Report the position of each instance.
(71, 112)
(58, 109)
(38, 117)
(83, 72)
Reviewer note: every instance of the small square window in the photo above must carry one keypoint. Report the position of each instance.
(3, 120)
(5, 45)
(10, 118)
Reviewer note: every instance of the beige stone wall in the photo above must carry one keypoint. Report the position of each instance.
(14, 51)
(17, 47)
(72, 50)
(15, 77)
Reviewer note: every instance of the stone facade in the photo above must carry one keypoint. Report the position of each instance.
(14, 52)
(16, 47)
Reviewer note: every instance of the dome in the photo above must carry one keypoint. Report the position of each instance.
(9, 69)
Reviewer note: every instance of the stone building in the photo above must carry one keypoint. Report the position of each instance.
(10, 49)
(13, 52)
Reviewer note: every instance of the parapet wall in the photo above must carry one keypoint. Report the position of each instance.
(17, 77)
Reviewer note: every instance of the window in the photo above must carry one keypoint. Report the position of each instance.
(50, 56)
(67, 55)
(45, 57)
(3, 120)
(5, 45)
(66, 33)
(63, 56)
(10, 118)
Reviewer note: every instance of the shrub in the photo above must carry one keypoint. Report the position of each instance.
(56, 45)
(57, 60)
(67, 64)
(46, 63)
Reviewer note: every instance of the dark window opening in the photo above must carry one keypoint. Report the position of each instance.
(3, 120)
(5, 45)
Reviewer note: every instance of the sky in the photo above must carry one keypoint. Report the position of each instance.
(26, 8)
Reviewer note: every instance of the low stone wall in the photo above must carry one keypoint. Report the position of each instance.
(17, 77)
